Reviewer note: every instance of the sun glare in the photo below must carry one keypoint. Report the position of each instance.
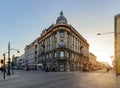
(105, 59)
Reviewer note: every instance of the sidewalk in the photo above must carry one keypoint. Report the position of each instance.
(118, 82)
(117, 79)
(7, 77)
(107, 76)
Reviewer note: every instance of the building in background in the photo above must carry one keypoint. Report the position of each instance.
(14, 62)
(117, 43)
(21, 62)
(31, 55)
(94, 64)
(92, 61)
(62, 48)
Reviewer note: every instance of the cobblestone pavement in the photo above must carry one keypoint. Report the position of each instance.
(38, 79)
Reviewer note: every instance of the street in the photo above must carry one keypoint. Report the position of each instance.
(38, 79)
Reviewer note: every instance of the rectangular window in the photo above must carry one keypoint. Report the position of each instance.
(62, 43)
(50, 47)
(35, 52)
(55, 54)
(55, 35)
(55, 45)
(35, 46)
(50, 55)
(62, 53)
(61, 34)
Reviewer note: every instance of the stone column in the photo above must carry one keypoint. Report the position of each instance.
(58, 40)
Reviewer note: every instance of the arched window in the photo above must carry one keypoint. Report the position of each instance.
(62, 53)
(61, 34)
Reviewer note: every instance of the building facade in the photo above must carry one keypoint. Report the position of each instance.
(31, 55)
(92, 61)
(21, 62)
(117, 44)
(62, 48)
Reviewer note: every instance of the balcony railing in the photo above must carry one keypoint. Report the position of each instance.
(61, 44)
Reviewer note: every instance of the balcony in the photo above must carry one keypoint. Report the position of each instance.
(61, 44)
(62, 58)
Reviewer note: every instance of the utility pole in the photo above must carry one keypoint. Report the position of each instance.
(13, 64)
(117, 43)
(4, 66)
(8, 73)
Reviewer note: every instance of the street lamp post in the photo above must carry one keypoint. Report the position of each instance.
(13, 64)
(8, 73)
(4, 66)
(105, 33)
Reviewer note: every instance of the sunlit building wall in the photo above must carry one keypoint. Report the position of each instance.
(92, 61)
(21, 61)
(31, 54)
(62, 48)
(117, 43)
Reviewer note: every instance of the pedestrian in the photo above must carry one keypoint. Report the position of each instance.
(107, 69)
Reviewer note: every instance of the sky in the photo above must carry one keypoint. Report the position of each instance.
(22, 21)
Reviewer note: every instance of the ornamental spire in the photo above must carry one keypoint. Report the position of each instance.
(61, 19)
(61, 13)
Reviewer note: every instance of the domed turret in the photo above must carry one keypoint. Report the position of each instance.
(61, 19)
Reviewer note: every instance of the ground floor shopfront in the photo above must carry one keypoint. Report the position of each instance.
(65, 65)
(58, 66)
(63, 59)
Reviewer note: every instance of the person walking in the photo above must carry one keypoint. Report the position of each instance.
(107, 69)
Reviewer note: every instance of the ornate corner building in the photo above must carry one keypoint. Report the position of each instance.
(62, 48)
